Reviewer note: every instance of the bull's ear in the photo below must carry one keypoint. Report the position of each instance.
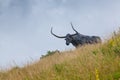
(71, 36)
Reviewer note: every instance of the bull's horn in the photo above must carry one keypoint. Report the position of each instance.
(56, 35)
(73, 28)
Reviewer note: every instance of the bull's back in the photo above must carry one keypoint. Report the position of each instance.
(97, 39)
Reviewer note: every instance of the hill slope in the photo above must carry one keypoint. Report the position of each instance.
(90, 62)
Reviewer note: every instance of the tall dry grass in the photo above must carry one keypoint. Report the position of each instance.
(90, 62)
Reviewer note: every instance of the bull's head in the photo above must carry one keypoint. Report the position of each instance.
(69, 37)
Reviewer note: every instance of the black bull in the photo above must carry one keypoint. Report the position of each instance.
(78, 39)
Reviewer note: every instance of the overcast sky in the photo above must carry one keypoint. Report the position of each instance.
(25, 25)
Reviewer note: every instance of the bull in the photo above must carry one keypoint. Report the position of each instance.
(78, 39)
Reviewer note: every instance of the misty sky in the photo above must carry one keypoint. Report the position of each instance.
(25, 25)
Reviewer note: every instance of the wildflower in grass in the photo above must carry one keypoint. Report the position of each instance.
(112, 43)
(97, 74)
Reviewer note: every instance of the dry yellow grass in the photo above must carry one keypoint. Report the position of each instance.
(90, 62)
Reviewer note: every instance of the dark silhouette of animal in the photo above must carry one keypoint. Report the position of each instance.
(78, 39)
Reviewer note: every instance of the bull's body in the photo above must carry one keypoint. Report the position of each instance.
(78, 39)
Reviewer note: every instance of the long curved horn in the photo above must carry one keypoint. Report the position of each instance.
(56, 35)
(73, 28)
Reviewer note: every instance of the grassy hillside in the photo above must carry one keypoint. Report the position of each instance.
(90, 62)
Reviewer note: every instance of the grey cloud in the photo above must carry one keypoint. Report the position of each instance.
(16, 6)
(25, 24)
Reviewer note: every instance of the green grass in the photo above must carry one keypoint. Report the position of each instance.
(90, 62)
